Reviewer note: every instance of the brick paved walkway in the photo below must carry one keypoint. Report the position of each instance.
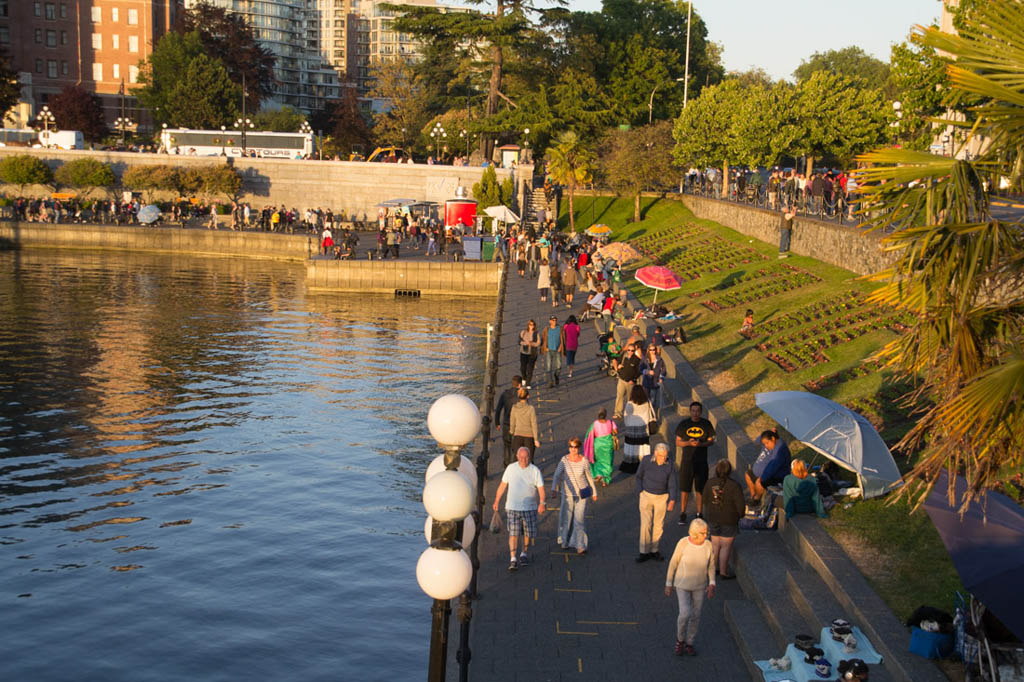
(600, 616)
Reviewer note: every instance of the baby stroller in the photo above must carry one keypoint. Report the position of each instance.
(610, 351)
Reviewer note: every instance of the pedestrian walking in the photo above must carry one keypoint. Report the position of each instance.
(553, 350)
(529, 348)
(652, 373)
(574, 480)
(522, 422)
(657, 488)
(627, 371)
(600, 445)
(571, 342)
(723, 509)
(502, 415)
(544, 280)
(570, 281)
(691, 573)
(555, 276)
(693, 436)
(525, 486)
(637, 422)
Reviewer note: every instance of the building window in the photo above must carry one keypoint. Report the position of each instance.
(38, 35)
(3, 8)
(39, 65)
(51, 68)
(63, 10)
(133, 74)
(97, 14)
(64, 68)
(51, 38)
(51, 13)
(97, 72)
(97, 41)
(63, 37)
(5, 34)
(116, 41)
(114, 14)
(133, 17)
(117, 71)
(133, 43)
(37, 9)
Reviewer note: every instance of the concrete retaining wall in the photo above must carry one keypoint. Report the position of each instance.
(157, 239)
(428, 278)
(848, 247)
(345, 186)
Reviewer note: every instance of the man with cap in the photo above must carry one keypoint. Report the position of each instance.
(502, 411)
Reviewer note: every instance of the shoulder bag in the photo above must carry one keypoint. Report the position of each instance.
(582, 493)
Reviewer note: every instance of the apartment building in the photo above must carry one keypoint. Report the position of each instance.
(289, 29)
(93, 44)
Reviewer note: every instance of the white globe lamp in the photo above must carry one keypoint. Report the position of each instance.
(468, 530)
(465, 468)
(453, 420)
(444, 574)
(448, 496)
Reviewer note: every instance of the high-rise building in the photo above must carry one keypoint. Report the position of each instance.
(93, 44)
(289, 29)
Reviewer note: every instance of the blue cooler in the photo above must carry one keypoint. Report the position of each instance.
(930, 644)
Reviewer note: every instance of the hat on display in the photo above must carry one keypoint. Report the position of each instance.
(803, 642)
(813, 654)
(853, 669)
(822, 668)
(849, 644)
(839, 632)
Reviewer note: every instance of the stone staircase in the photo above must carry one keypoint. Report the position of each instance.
(536, 200)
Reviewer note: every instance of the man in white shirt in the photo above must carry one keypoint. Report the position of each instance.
(525, 485)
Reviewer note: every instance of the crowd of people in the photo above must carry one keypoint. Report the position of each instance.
(822, 192)
(629, 436)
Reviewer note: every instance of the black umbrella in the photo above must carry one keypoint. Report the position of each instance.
(987, 548)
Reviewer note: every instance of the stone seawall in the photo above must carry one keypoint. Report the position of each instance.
(350, 187)
(845, 246)
(421, 277)
(158, 240)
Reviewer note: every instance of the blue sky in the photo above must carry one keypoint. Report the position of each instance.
(777, 35)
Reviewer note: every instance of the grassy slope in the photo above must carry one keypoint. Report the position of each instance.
(736, 370)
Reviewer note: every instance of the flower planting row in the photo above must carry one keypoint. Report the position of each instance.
(770, 270)
(842, 376)
(693, 259)
(832, 306)
(761, 289)
(805, 347)
(654, 244)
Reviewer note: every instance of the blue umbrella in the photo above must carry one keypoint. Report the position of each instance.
(987, 548)
(148, 214)
(837, 432)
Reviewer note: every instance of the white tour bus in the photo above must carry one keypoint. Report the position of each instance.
(62, 139)
(229, 143)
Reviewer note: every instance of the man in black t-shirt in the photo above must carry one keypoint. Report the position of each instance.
(693, 436)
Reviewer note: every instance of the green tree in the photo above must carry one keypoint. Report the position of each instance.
(581, 105)
(344, 126)
(705, 130)
(151, 179)
(77, 109)
(284, 119)
(639, 73)
(408, 109)
(920, 84)
(570, 163)
(205, 97)
(851, 62)
(10, 89)
(162, 72)
(85, 173)
(489, 192)
(638, 159)
(959, 269)
(220, 180)
(24, 169)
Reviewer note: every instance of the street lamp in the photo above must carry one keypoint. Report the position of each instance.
(46, 117)
(897, 108)
(444, 570)
(245, 125)
(437, 133)
(650, 102)
(465, 136)
(122, 123)
(223, 140)
(403, 140)
(686, 71)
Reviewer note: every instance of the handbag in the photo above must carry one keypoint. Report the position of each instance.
(582, 493)
(652, 427)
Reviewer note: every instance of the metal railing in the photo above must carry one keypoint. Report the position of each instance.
(841, 208)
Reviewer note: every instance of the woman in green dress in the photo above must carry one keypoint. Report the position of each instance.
(599, 447)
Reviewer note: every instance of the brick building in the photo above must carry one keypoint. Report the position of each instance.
(94, 44)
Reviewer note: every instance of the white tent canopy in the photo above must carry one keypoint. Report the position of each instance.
(502, 213)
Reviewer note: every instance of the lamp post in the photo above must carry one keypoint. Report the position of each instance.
(403, 142)
(122, 123)
(245, 125)
(45, 116)
(305, 128)
(686, 70)
(437, 133)
(897, 108)
(650, 102)
(444, 570)
(947, 148)
(465, 135)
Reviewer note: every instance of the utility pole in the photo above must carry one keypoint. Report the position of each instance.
(686, 74)
(123, 117)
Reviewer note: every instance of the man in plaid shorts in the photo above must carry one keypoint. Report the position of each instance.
(525, 485)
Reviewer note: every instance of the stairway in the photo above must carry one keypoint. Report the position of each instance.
(535, 200)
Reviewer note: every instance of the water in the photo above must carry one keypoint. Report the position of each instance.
(207, 473)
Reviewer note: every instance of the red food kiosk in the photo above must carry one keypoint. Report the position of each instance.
(460, 211)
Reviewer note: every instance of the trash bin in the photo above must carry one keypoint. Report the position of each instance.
(471, 245)
(487, 249)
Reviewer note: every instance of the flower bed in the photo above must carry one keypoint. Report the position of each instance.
(770, 285)
(691, 252)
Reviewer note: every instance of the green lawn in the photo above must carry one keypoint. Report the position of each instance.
(735, 369)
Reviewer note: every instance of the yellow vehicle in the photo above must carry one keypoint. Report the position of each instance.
(380, 155)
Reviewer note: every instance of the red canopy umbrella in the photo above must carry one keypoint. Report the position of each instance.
(659, 278)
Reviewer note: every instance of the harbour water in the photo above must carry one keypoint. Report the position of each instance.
(208, 473)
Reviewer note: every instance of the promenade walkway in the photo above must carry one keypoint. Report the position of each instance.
(600, 616)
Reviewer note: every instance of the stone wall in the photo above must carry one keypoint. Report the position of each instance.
(351, 187)
(157, 240)
(427, 278)
(846, 246)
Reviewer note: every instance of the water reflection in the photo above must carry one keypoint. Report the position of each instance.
(197, 451)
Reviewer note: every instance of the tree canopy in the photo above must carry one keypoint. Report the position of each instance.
(77, 109)
(284, 119)
(10, 89)
(851, 62)
(24, 169)
(638, 159)
(85, 173)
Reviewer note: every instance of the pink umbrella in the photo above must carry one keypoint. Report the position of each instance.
(659, 278)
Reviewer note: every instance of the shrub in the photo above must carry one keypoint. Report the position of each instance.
(24, 169)
(85, 173)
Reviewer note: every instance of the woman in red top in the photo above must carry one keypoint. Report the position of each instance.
(571, 341)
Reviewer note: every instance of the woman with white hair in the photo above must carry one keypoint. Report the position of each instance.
(692, 573)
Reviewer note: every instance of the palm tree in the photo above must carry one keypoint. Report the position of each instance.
(570, 163)
(958, 268)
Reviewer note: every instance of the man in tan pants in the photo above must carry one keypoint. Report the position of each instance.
(657, 485)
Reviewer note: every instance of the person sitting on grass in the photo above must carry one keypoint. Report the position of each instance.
(800, 494)
(770, 467)
(748, 322)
